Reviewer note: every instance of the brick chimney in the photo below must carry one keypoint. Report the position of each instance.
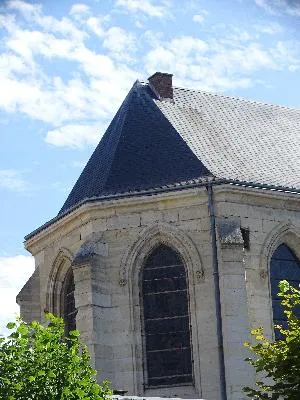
(161, 83)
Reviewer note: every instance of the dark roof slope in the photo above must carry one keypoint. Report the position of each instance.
(140, 150)
(152, 142)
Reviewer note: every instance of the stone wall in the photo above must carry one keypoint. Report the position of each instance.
(106, 244)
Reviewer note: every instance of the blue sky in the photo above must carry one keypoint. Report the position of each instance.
(66, 66)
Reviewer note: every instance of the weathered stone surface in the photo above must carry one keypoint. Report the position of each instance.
(107, 251)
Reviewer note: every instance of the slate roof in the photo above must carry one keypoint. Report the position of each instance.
(239, 139)
(152, 143)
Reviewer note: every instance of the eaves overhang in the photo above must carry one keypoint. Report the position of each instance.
(179, 186)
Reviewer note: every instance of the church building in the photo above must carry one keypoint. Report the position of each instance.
(171, 244)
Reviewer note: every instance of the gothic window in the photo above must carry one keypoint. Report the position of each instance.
(69, 310)
(166, 323)
(284, 265)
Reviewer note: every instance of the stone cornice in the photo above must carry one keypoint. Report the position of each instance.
(105, 207)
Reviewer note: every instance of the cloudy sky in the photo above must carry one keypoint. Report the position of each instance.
(65, 67)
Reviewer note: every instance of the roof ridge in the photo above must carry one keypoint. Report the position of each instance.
(239, 98)
(121, 120)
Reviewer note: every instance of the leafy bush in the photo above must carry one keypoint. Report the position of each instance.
(279, 361)
(40, 363)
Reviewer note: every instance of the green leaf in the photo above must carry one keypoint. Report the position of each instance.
(74, 333)
(284, 286)
(11, 325)
(51, 374)
(22, 329)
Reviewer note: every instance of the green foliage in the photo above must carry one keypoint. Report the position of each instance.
(279, 361)
(41, 363)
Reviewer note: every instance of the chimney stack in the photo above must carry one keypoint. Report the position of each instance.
(161, 83)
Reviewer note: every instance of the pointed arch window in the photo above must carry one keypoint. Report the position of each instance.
(166, 322)
(284, 265)
(69, 310)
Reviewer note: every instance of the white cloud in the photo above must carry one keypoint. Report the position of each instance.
(250, 58)
(27, 9)
(119, 42)
(101, 81)
(276, 7)
(287, 53)
(238, 36)
(12, 180)
(100, 78)
(222, 64)
(144, 6)
(185, 45)
(270, 28)
(79, 9)
(293, 11)
(11, 64)
(14, 272)
(27, 44)
(49, 104)
(200, 16)
(76, 136)
(266, 6)
(95, 24)
(33, 13)
(55, 102)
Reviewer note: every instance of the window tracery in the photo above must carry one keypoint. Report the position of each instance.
(166, 322)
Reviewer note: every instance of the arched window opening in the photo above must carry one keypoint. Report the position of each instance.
(166, 323)
(69, 310)
(284, 265)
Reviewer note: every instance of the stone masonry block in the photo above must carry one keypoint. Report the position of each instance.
(254, 224)
(197, 225)
(170, 215)
(151, 217)
(123, 221)
(100, 225)
(268, 225)
(193, 212)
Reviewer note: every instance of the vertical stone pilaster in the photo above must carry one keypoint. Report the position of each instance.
(90, 298)
(84, 304)
(236, 327)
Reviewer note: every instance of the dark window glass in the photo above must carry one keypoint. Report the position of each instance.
(69, 303)
(284, 265)
(166, 319)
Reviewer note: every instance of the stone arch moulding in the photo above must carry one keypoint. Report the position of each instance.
(131, 265)
(161, 234)
(60, 268)
(284, 233)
